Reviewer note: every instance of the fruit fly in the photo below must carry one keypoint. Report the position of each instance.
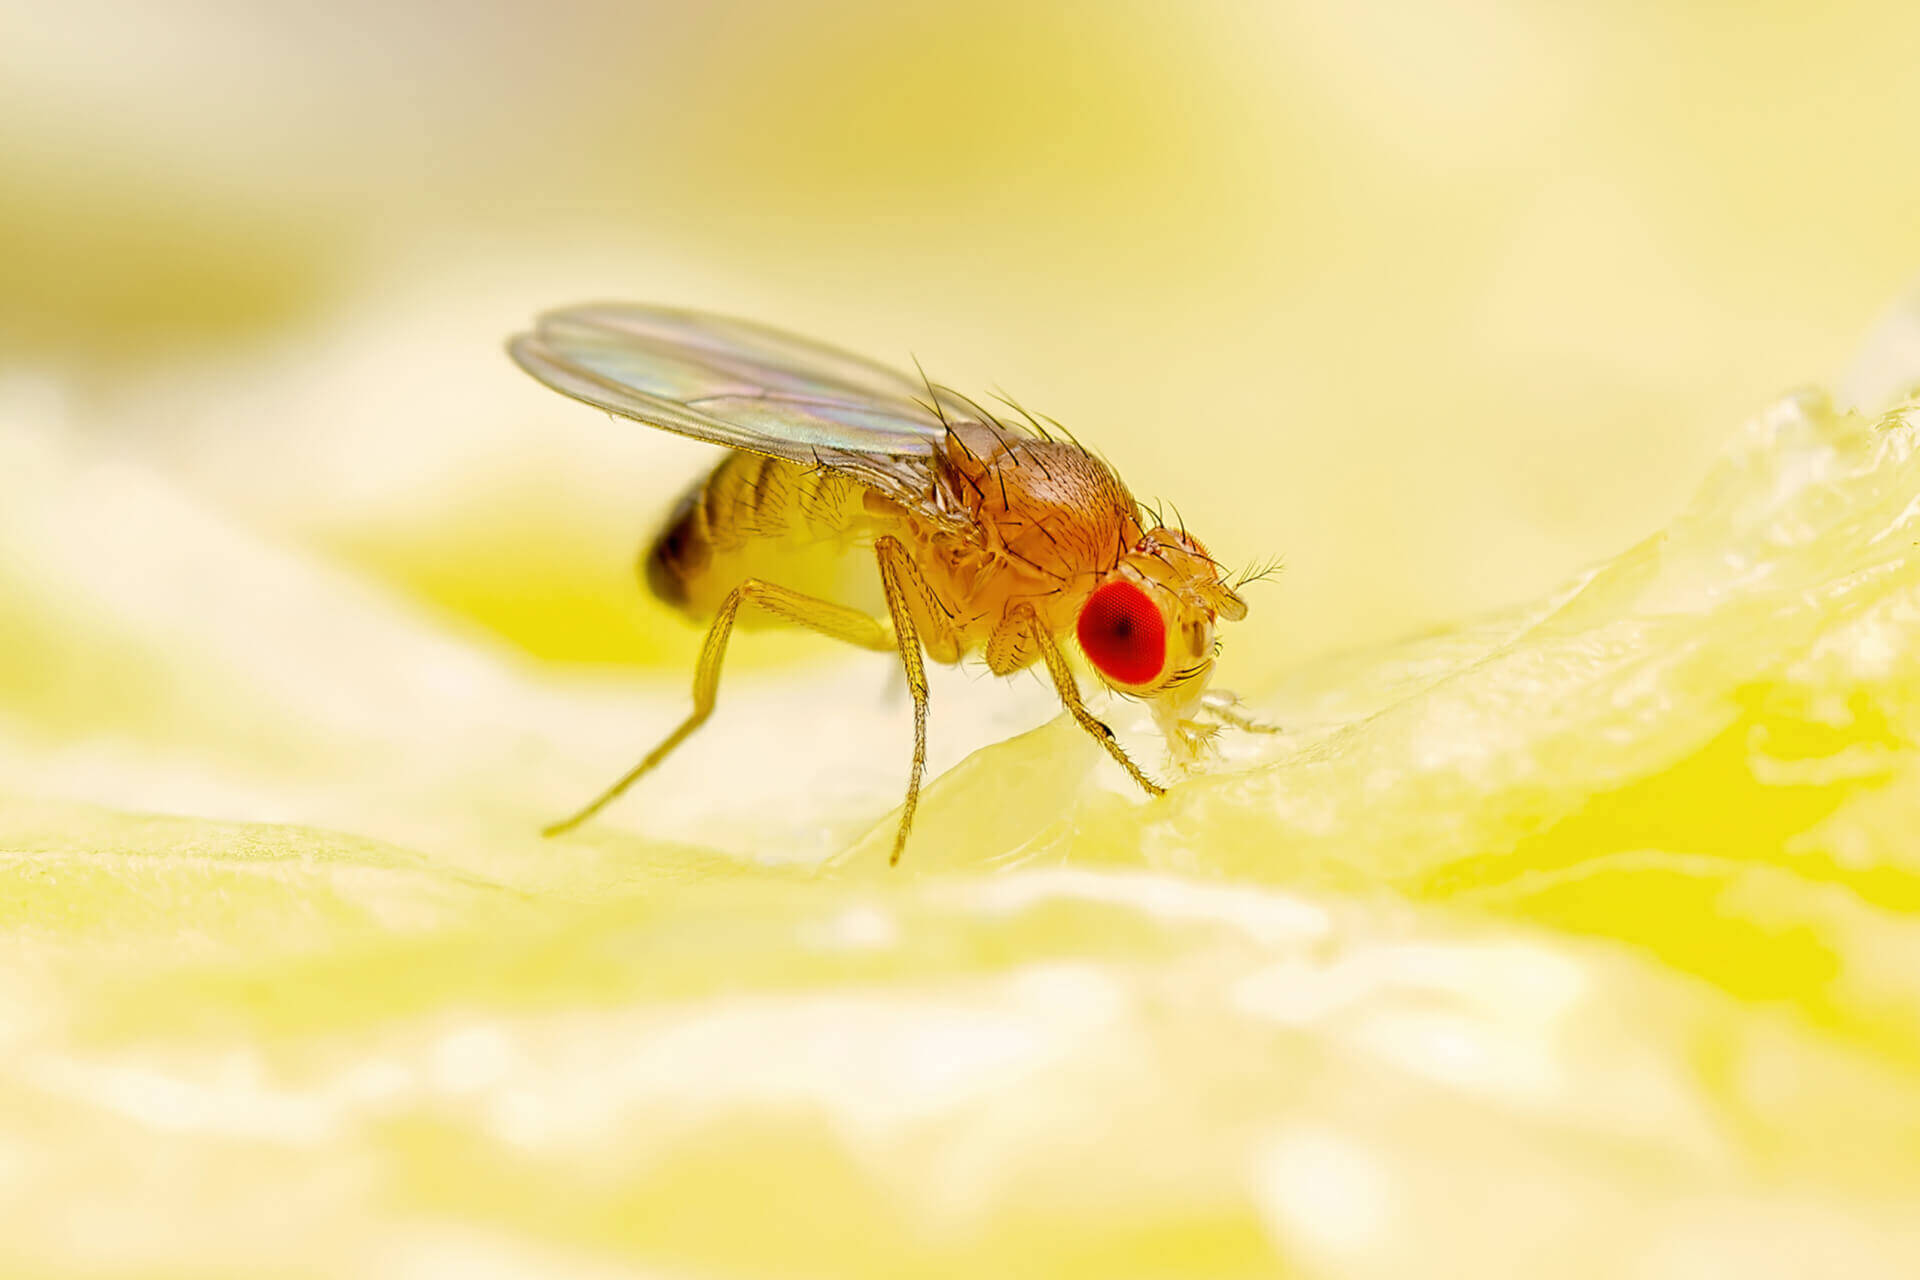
(990, 537)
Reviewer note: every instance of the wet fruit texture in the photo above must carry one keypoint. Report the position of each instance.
(1579, 941)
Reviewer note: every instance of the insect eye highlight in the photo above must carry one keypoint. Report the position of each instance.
(1123, 633)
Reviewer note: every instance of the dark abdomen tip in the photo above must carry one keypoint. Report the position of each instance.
(680, 551)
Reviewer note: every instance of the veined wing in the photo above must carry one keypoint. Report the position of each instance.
(744, 386)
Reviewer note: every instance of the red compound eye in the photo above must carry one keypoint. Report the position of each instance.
(1123, 633)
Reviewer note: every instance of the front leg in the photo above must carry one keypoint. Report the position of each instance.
(1225, 706)
(1069, 691)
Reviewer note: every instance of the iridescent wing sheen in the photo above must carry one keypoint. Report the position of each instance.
(745, 386)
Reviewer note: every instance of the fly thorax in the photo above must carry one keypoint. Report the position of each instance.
(1044, 504)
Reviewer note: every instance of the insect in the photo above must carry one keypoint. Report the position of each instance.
(989, 537)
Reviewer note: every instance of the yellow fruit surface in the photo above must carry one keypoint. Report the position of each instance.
(1569, 928)
(1578, 940)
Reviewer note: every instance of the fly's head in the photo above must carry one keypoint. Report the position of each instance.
(1147, 628)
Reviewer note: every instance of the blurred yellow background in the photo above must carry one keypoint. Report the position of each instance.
(1574, 937)
(1437, 302)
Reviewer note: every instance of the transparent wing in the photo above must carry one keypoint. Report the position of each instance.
(743, 386)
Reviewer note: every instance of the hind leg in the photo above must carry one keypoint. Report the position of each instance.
(829, 619)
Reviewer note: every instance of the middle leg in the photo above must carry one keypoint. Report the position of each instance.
(898, 576)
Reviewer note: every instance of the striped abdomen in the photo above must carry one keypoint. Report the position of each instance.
(761, 517)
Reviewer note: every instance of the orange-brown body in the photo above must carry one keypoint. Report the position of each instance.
(977, 537)
(1043, 522)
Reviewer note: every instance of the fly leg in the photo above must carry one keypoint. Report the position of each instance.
(898, 576)
(1193, 738)
(1069, 691)
(1227, 708)
(824, 616)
